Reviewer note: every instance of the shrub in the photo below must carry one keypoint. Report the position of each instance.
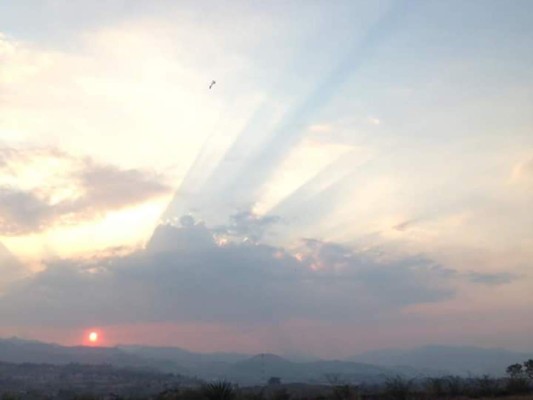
(454, 385)
(398, 388)
(10, 396)
(170, 394)
(518, 385)
(281, 394)
(344, 392)
(219, 391)
(253, 395)
(436, 387)
(486, 386)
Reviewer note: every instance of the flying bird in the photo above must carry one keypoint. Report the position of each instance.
(211, 85)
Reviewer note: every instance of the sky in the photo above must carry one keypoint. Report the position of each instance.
(360, 176)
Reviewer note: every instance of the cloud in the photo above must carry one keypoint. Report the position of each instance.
(523, 173)
(374, 120)
(186, 274)
(10, 267)
(23, 212)
(405, 225)
(321, 128)
(247, 225)
(491, 279)
(109, 187)
(42, 187)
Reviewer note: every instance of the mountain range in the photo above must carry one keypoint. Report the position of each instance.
(246, 369)
(460, 360)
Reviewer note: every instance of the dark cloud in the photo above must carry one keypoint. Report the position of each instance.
(184, 274)
(491, 279)
(101, 188)
(10, 267)
(247, 225)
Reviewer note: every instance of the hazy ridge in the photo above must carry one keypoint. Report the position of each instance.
(372, 366)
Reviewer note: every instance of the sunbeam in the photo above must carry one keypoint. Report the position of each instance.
(318, 177)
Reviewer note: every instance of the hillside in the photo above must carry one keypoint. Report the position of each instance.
(462, 360)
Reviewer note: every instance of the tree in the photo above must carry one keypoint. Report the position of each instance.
(515, 371)
(518, 381)
(528, 365)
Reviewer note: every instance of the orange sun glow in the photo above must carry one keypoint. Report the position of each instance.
(93, 337)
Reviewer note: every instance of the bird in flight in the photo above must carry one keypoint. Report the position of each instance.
(211, 85)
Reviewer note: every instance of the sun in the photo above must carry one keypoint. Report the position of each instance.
(93, 337)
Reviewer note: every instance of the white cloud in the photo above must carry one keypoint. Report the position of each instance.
(374, 120)
(522, 173)
(43, 187)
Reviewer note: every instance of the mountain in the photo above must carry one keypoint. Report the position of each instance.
(206, 365)
(244, 369)
(182, 356)
(16, 350)
(461, 360)
(239, 368)
(260, 368)
(252, 370)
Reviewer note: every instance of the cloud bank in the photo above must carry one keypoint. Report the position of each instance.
(192, 273)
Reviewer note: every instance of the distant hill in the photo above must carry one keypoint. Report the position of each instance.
(205, 365)
(251, 370)
(259, 368)
(181, 355)
(239, 368)
(16, 350)
(462, 360)
(246, 369)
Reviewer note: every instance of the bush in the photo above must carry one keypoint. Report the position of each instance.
(170, 394)
(344, 392)
(486, 386)
(517, 385)
(10, 396)
(398, 388)
(219, 391)
(253, 395)
(435, 387)
(281, 394)
(454, 385)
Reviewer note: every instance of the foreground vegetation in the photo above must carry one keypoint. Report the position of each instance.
(518, 385)
(395, 388)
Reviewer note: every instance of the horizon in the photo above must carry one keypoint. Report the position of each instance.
(359, 177)
(296, 357)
